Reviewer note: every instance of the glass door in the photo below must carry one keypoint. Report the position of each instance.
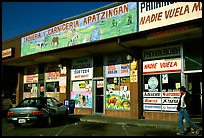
(99, 96)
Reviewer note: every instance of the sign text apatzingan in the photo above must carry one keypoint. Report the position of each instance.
(122, 9)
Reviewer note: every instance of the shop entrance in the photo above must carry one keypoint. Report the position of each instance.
(194, 85)
(98, 96)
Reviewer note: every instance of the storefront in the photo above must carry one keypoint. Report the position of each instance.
(128, 64)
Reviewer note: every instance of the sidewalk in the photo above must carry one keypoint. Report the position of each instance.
(136, 122)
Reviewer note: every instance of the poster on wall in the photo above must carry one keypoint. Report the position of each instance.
(118, 100)
(133, 71)
(62, 84)
(112, 22)
(82, 99)
(30, 75)
(52, 73)
(116, 66)
(82, 93)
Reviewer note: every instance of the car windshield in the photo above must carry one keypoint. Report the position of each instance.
(33, 102)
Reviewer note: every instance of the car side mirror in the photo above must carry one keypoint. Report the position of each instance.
(59, 104)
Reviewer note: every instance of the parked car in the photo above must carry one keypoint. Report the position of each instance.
(37, 110)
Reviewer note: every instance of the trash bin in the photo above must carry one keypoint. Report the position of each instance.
(71, 106)
(66, 103)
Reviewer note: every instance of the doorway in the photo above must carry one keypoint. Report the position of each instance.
(99, 96)
(194, 86)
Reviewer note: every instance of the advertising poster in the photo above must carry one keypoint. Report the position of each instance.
(118, 100)
(52, 73)
(30, 75)
(82, 99)
(82, 94)
(133, 71)
(116, 21)
(62, 84)
(116, 66)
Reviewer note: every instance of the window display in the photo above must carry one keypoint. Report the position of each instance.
(161, 92)
(118, 93)
(82, 93)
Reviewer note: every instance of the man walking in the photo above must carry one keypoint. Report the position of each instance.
(183, 108)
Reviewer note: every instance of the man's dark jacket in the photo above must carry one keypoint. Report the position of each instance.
(187, 100)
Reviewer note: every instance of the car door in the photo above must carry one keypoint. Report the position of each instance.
(52, 107)
(60, 107)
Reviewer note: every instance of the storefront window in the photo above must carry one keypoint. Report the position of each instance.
(81, 85)
(161, 92)
(117, 82)
(30, 82)
(118, 93)
(52, 77)
(82, 93)
(162, 79)
(52, 86)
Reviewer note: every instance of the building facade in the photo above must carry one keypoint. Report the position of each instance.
(127, 60)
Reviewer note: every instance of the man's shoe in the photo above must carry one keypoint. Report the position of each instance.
(180, 134)
(196, 131)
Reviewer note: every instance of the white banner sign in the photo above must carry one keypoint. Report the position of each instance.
(151, 107)
(152, 100)
(151, 94)
(161, 66)
(170, 100)
(82, 74)
(169, 107)
(158, 14)
(170, 94)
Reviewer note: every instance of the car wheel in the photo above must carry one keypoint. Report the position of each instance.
(49, 121)
(17, 125)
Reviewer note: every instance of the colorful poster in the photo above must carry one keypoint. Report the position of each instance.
(82, 99)
(118, 100)
(116, 21)
(117, 66)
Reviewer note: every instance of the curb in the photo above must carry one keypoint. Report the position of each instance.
(131, 124)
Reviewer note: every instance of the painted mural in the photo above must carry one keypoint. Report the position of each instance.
(116, 21)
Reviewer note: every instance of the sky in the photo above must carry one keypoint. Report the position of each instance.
(23, 17)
